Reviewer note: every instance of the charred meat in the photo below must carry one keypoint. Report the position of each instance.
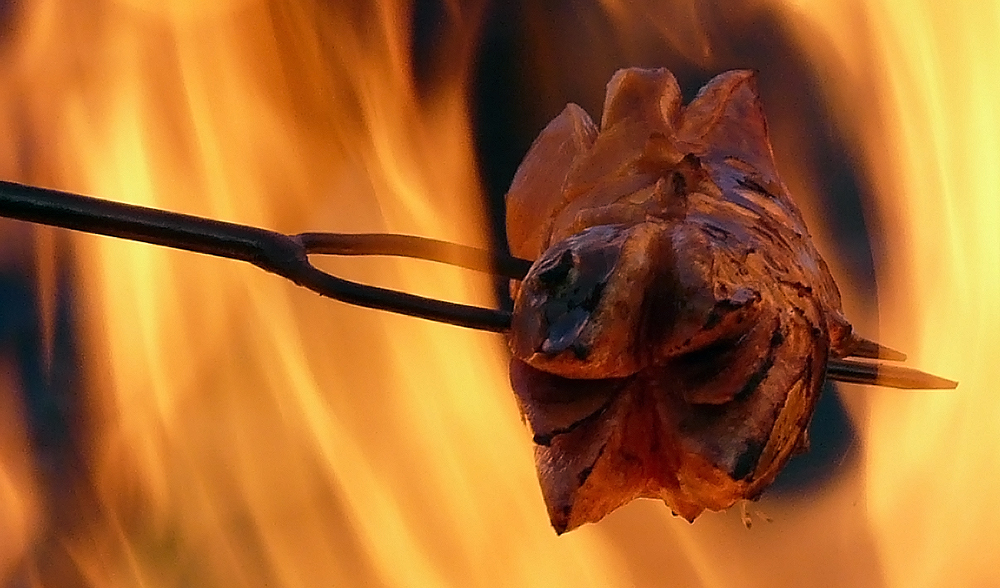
(671, 338)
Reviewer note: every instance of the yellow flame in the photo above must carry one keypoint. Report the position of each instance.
(244, 431)
(924, 104)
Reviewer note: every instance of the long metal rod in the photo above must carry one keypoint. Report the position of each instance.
(284, 255)
(417, 248)
(287, 256)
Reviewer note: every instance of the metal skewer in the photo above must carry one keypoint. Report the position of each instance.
(288, 256)
(284, 255)
(880, 374)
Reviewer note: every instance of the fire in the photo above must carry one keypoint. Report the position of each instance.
(241, 431)
(926, 114)
(244, 431)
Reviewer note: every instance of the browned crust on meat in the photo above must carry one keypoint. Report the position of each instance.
(670, 340)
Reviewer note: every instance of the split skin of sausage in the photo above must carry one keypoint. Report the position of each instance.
(671, 338)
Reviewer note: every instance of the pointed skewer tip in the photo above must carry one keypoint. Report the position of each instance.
(890, 376)
(866, 348)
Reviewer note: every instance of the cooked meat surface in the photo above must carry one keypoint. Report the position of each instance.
(671, 338)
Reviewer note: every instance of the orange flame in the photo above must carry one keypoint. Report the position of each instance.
(922, 94)
(244, 432)
(19, 507)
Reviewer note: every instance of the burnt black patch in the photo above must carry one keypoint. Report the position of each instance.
(554, 275)
(594, 297)
(760, 374)
(757, 377)
(746, 462)
(714, 318)
(575, 283)
(678, 184)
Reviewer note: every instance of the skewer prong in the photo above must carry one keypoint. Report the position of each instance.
(889, 376)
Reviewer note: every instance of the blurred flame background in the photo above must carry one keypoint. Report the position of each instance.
(221, 427)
